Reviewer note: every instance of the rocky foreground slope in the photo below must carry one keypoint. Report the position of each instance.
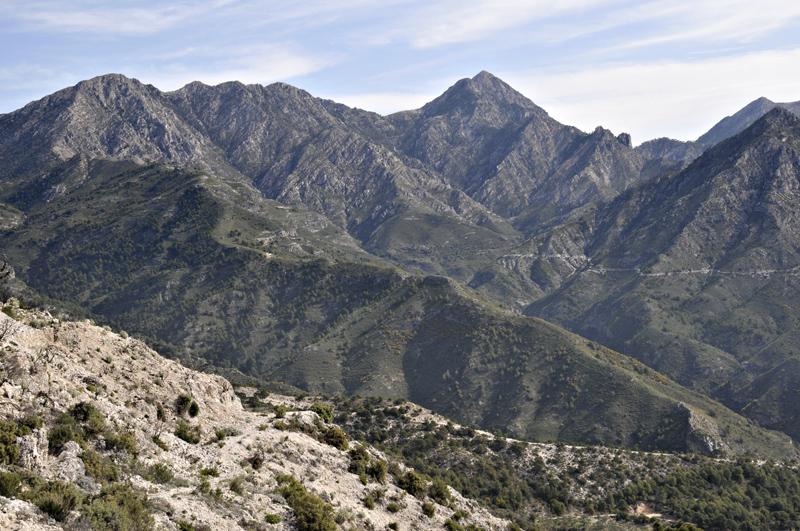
(223, 470)
(99, 432)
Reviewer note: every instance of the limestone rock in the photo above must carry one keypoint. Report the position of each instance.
(33, 450)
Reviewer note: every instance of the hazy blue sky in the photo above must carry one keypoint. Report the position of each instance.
(650, 68)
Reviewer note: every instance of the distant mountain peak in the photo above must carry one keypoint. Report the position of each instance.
(780, 115)
(483, 94)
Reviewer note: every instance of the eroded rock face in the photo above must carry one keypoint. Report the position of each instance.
(33, 450)
(69, 467)
(702, 436)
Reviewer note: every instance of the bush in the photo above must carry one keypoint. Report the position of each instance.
(237, 485)
(337, 438)
(359, 461)
(393, 507)
(439, 492)
(378, 470)
(161, 444)
(369, 502)
(123, 441)
(100, 468)
(557, 507)
(10, 484)
(272, 518)
(450, 525)
(280, 412)
(428, 509)
(60, 435)
(412, 483)
(160, 473)
(190, 434)
(55, 498)
(183, 525)
(83, 421)
(29, 424)
(83, 411)
(119, 508)
(9, 451)
(312, 514)
(182, 404)
(324, 411)
(186, 404)
(210, 471)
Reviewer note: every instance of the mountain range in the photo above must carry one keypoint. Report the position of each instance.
(298, 244)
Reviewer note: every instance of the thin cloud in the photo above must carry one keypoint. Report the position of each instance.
(669, 98)
(117, 20)
(450, 22)
(253, 64)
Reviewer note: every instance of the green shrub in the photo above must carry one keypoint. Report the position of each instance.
(34, 422)
(99, 467)
(237, 485)
(312, 514)
(83, 411)
(183, 525)
(450, 525)
(123, 441)
(10, 484)
(55, 498)
(209, 471)
(194, 409)
(459, 515)
(227, 432)
(280, 412)
(369, 502)
(428, 509)
(378, 470)
(412, 483)
(161, 414)
(60, 435)
(160, 473)
(82, 422)
(161, 444)
(359, 461)
(182, 404)
(324, 411)
(393, 507)
(337, 438)
(557, 507)
(394, 526)
(439, 492)
(9, 451)
(188, 433)
(119, 508)
(272, 518)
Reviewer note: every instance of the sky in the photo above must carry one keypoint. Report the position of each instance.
(649, 68)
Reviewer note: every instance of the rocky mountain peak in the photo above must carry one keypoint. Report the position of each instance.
(486, 97)
(625, 140)
(730, 125)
